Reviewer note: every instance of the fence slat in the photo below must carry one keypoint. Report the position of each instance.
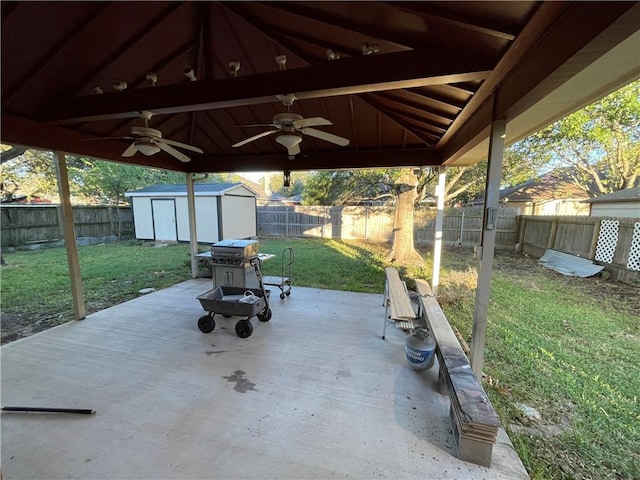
(375, 224)
(27, 224)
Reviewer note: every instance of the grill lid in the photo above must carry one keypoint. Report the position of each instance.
(236, 248)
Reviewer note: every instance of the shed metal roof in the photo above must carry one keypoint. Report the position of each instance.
(181, 189)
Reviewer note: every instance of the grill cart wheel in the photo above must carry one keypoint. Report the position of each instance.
(265, 315)
(244, 328)
(206, 324)
(282, 296)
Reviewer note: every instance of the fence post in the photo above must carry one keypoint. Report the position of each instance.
(286, 221)
(594, 239)
(366, 223)
(552, 234)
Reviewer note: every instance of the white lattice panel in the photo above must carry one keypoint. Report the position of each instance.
(634, 250)
(607, 240)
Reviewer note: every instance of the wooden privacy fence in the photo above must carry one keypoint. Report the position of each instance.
(29, 224)
(612, 242)
(462, 226)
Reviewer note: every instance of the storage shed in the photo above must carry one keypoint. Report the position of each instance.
(223, 211)
(623, 203)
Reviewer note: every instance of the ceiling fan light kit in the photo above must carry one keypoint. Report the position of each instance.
(288, 140)
(147, 149)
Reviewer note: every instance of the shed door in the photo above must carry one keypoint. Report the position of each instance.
(164, 219)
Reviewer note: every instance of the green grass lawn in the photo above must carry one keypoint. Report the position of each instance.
(568, 347)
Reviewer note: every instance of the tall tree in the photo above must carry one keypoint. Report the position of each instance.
(597, 147)
(403, 250)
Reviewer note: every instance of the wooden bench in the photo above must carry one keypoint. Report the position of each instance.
(398, 308)
(474, 421)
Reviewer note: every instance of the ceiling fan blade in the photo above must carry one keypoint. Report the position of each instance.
(329, 137)
(130, 151)
(172, 151)
(311, 122)
(294, 150)
(255, 137)
(181, 145)
(106, 138)
(256, 125)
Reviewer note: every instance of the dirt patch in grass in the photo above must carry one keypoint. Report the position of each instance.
(14, 326)
(609, 293)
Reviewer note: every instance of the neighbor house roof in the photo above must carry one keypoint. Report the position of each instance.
(626, 195)
(181, 189)
(545, 189)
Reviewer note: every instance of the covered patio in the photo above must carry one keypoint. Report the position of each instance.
(313, 393)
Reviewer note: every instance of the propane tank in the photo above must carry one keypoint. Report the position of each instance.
(419, 349)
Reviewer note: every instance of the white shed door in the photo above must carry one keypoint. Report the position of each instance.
(164, 219)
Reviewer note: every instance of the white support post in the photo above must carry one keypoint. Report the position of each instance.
(437, 241)
(193, 236)
(75, 275)
(487, 248)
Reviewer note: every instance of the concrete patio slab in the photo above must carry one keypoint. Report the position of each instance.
(314, 393)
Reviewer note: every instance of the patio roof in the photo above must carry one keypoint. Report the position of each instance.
(313, 393)
(408, 83)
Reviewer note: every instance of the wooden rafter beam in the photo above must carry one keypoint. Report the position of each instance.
(347, 76)
(433, 14)
(339, 159)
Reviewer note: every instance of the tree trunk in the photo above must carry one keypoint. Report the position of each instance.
(403, 251)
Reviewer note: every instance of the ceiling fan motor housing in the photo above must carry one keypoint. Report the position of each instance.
(146, 132)
(286, 119)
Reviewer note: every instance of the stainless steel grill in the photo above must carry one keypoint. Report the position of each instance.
(234, 252)
(233, 263)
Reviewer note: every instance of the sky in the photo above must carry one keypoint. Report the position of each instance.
(253, 176)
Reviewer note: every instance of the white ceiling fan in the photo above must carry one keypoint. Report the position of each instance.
(149, 141)
(290, 125)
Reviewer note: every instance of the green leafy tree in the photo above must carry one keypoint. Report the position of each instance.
(597, 148)
(106, 182)
(467, 183)
(337, 187)
(30, 172)
(274, 183)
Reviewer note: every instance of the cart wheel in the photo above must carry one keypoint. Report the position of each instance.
(244, 328)
(288, 293)
(282, 296)
(265, 315)
(206, 324)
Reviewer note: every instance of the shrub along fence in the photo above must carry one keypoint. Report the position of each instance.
(611, 242)
(34, 224)
(461, 226)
